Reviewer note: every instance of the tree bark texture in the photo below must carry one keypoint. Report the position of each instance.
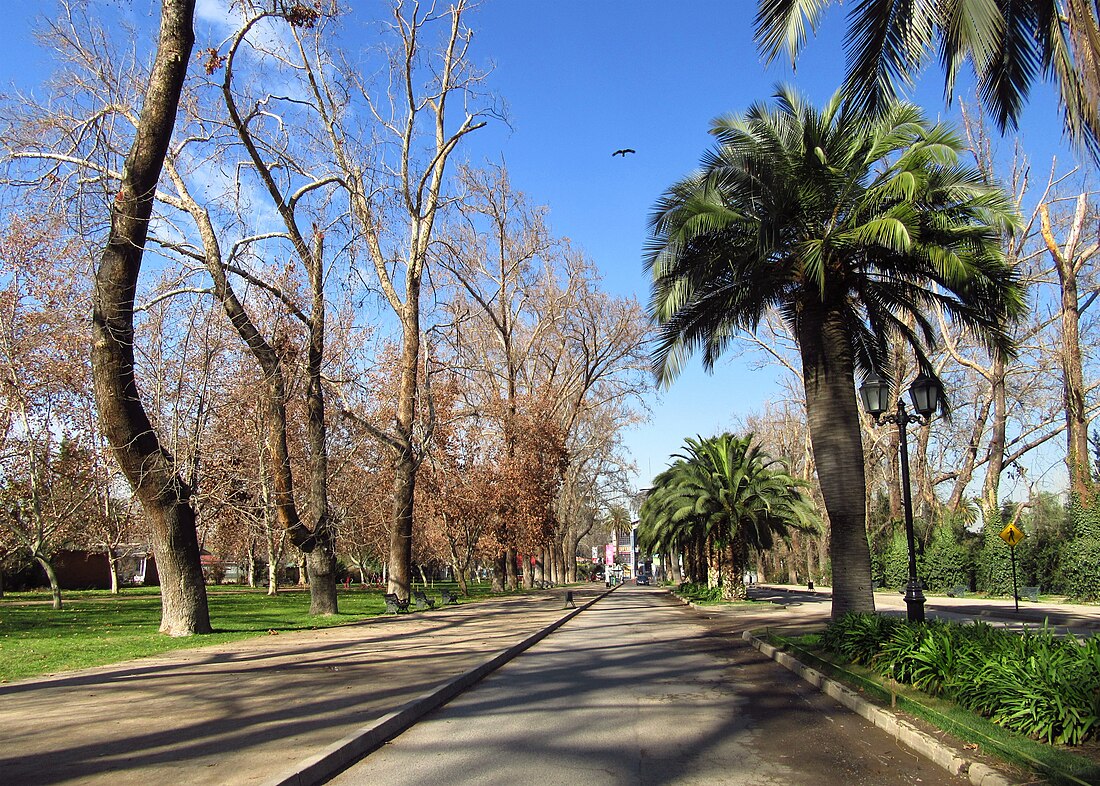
(405, 463)
(51, 575)
(163, 494)
(833, 418)
(1067, 265)
(401, 528)
(997, 436)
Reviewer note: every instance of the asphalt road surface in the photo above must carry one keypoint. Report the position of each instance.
(642, 690)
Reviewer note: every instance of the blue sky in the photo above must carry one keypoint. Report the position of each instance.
(584, 78)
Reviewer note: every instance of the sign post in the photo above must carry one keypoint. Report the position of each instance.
(1012, 535)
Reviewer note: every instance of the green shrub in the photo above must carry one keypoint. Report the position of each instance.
(924, 656)
(995, 558)
(859, 637)
(700, 592)
(896, 562)
(1035, 683)
(945, 562)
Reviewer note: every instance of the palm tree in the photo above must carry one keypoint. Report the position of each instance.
(856, 230)
(726, 492)
(664, 525)
(1008, 43)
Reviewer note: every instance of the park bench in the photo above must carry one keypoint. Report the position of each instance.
(1029, 593)
(447, 597)
(394, 604)
(957, 591)
(422, 601)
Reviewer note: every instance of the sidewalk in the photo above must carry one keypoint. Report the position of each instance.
(1078, 619)
(251, 712)
(295, 707)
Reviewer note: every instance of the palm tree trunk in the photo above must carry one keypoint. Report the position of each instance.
(733, 586)
(673, 563)
(828, 373)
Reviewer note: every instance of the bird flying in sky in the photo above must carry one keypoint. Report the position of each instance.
(622, 152)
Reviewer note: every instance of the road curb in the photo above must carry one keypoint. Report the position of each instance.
(926, 745)
(338, 756)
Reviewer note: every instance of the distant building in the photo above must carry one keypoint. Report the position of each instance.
(84, 569)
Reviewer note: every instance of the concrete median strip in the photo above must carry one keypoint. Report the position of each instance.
(338, 756)
(926, 745)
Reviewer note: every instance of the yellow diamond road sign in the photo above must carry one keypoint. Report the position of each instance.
(1012, 535)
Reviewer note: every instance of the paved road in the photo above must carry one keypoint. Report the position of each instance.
(1078, 619)
(641, 690)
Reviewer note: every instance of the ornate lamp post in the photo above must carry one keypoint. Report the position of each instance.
(925, 394)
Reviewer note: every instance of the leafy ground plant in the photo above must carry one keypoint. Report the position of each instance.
(1041, 685)
(1053, 764)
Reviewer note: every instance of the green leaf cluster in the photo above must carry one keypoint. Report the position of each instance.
(726, 491)
(1081, 555)
(1035, 683)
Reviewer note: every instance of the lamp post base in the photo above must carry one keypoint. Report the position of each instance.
(914, 600)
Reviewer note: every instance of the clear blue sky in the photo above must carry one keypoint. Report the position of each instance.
(583, 78)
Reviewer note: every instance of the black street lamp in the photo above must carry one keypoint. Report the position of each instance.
(925, 394)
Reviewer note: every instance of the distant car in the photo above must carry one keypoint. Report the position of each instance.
(642, 579)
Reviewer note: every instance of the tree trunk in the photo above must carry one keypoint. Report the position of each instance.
(51, 574)
(714, 565)
(995, 451)
(321, 564)
(273, 558)
(828, 372)
(460, 566)
(112, 566)
(401, 527)
(569, 561)
(672, 573)
(733, 585)
(164, 496)
(1067, 265)
(303, 570)
(250, 561)
(511, 579)
(322, 541)
(527, 571)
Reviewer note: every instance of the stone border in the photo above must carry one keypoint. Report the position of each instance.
(925, 744)
(366, 739)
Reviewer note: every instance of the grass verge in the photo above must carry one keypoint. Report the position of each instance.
(702, 595)
(1057, 765)
(95, 628)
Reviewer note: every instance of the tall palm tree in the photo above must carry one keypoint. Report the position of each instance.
(855, 230)
(1008, 42)
(727, 492)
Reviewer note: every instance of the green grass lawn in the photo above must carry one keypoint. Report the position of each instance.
(94, 628)
(1055, 764)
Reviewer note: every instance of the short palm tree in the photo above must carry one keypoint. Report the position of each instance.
(1008, 43)
(663, 524)
(726, 492)
(855, 230)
